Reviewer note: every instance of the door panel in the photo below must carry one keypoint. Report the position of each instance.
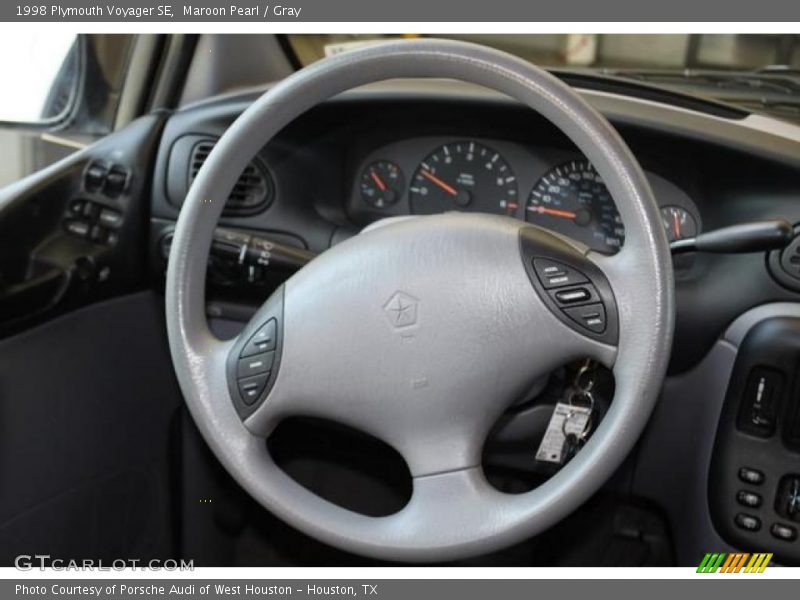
(86, 406)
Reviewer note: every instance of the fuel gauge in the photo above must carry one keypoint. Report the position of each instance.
(678, 223)
(382, 184)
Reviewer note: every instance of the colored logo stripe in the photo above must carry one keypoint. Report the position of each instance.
(711, 563)
(758, 563)
(734, 563)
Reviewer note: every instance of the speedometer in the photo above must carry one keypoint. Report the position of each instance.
(464, 176)
(573, 200)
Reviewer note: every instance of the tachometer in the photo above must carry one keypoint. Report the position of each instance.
(573, 200)
(464, 176)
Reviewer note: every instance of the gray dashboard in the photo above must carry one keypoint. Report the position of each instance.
(723, 168)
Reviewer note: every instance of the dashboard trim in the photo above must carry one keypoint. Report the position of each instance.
(774, 138)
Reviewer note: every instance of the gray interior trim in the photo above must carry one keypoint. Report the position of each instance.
(140, 68)
(216, 66)
(739, 328)
(170, 72)
(757, 134)
(681, 432)
(691, 404)
(453, 514)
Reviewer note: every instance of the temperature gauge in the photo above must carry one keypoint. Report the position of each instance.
(678, 223)
(381, 184)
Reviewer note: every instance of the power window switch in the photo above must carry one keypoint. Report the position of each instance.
(116, 181)
(95, 177)
(77, 228)
(110, 218)
(98, 234)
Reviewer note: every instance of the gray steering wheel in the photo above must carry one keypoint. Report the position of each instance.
(422, 332)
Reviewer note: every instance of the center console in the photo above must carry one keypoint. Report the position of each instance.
(754, 480)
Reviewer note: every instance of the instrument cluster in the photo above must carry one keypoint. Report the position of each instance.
(553, 188)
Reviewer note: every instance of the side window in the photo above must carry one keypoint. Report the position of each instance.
(38, 90)
(63, 95)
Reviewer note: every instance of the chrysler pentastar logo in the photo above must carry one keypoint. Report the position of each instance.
(401, 310)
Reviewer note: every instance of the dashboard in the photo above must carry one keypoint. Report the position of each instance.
(426, 147)
(550, 187)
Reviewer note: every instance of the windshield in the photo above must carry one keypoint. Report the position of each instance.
(760, 73)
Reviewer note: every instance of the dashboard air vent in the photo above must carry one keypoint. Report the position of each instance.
(253, 191)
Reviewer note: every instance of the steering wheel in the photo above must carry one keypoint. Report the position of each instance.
(422, 332)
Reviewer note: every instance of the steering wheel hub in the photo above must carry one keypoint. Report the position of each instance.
(421, 333)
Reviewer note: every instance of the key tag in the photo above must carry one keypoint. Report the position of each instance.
(568, 428)
(577, 425)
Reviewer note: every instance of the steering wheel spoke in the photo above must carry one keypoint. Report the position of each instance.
(619, 269)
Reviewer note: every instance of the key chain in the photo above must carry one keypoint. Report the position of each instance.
(577, 425)
(571, 421)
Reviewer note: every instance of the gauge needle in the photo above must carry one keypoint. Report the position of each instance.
(378, 181)
(677, 225)
(555, 212)
(447, 188)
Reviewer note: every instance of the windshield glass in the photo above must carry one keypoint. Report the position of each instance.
(760, 73)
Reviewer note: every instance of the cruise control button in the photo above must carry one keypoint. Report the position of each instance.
(591, 316)
(263, 340)
(783, 532)
(747, 522)
(253, 365)
(750, 499)
(573, 295)
(250, 388)
(555, 274)
(751, 476)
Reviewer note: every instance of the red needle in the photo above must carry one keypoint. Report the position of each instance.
(378, 181)
(677, 225)
(564, 214)
(450, 190)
